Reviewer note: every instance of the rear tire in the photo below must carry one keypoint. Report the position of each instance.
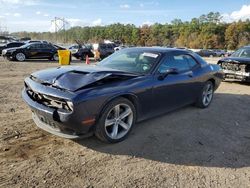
(55, 57)
(116, 121)
(206, 95)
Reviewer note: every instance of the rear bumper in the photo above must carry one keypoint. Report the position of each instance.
(56, 121)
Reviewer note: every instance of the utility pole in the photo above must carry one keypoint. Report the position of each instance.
(59, 25)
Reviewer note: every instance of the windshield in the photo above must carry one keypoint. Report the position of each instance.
(243, 52)
(134, 61)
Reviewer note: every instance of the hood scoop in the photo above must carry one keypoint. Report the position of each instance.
(75, 80)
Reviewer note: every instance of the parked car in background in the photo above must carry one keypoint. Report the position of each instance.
(229, 53)
(131, 85)
(80, 51)
(24, 39)
(120, 47)
(7, 39)
(219, 53)
(36, 50)
(10, 45)
(105, 49)
(40, 41)
(237, 66)
(206, 53)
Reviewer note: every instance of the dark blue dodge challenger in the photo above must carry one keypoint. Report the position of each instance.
(129, 86)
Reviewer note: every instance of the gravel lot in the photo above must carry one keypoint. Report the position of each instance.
(190, 147)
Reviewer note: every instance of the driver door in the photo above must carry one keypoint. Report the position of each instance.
(33, 51)
(175, 90)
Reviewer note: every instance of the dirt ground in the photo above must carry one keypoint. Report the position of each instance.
(190, 147)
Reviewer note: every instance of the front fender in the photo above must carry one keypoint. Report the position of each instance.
(128, 95)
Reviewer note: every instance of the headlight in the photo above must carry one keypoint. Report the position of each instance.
(4, 52)
(70, 105)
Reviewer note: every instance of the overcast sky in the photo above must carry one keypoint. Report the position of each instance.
(36, 15)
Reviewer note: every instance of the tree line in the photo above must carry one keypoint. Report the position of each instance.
(208, 32)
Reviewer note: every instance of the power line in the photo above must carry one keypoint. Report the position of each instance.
(59, 24)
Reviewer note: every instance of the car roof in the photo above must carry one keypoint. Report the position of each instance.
(157, 49)
(34, 43)
(15, 42)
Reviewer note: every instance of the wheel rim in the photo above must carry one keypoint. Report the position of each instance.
(207, 94)
(119, 121)
(20, 57)
(55, 57)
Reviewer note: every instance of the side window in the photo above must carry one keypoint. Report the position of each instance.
(46, 46)
(10, 45)
(178, 62)
(33, 46)
(20, 44)
(43, 46)
(39, 46)
(191, 62)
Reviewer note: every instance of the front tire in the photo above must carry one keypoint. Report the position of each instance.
(20, 56)
(206, 95)
(116, 121)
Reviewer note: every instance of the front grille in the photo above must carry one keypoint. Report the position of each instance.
(234, 66)
(46, 100)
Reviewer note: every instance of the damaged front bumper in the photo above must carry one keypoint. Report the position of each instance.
(43, 124)
(236, 75)
(60, 122)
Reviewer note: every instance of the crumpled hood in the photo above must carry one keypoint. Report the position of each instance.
(236, 60)
(73, 78)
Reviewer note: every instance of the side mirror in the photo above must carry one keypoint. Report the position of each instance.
(165, 73)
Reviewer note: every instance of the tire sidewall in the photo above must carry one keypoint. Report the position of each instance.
(212, 85)
(100, 127)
